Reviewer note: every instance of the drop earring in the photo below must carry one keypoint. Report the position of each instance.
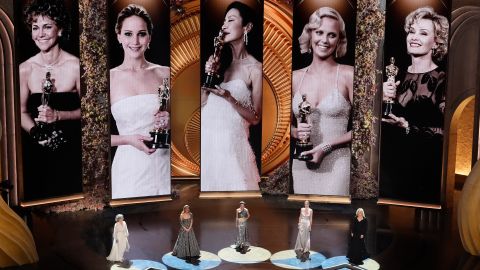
(148, 46)
(245, 37)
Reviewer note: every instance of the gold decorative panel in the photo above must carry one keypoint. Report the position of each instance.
(185, 68)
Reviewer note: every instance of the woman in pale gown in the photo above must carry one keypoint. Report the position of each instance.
(228, 162)
(137, 170)
(328, 87)
(302, 245)
(120, 240)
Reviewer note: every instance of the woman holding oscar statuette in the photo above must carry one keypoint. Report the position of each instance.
(231, 107)
(328, 87)
(137, 170)
(412, 134)
(50, 106)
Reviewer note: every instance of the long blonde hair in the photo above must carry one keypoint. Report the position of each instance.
(183, 209)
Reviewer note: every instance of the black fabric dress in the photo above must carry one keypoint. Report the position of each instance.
(357, 251)
(52, 173)
(411, 163)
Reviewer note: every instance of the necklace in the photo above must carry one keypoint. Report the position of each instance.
(50, 66)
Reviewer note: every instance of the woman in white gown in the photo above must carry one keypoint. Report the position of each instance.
(137, 170)
(228, 162)
(302, 245)
(328, 87)
(120, 240)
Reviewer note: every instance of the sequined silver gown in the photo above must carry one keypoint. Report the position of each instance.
(186, 245)
(329, 121)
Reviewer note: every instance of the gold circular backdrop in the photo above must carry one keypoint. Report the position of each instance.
(185, 103)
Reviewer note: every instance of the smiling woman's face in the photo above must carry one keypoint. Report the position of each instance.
(421, 37)
(45, 32)
(134, 36)
(325, 38)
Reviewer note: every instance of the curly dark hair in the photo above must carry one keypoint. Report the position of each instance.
(54, 9)
(133, 10)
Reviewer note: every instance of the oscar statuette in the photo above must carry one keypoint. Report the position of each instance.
(391, 71)
(161, 136)
(213, 77)
(303, 144)
(47, 134)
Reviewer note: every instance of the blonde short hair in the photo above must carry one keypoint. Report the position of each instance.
(440, 27)
(315, 21)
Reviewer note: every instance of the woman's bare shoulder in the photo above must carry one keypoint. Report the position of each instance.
(161, 71)
(26, 67)
(68, 57)
(347, 70)
(296, 73)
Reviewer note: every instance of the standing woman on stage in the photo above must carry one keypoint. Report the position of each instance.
(51, 166)
(137, 170)
(231, 108)
(357, 251)
(328, 87)
(241, 217)
(120, 240)
(302, 245)
(186, 246)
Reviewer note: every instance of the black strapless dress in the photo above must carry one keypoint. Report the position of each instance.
(51, 173)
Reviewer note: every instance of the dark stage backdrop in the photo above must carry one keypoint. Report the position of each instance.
(212, 18)
(332, 175)
(48, 171)
(148, 175)
(411, 160)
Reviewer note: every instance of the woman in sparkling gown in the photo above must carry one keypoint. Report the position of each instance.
(328, 87)
(357, 251)
(120, 240)
(186, 246)
(411, 168)
(137, 170)
(50, 167)
(242, 215)
(228, 162)
(302, 245)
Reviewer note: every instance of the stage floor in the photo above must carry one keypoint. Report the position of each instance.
(398, 237)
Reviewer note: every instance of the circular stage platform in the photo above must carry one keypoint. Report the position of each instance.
(207, 260)
(138, 265)
(334, 262)
(288, 259)
(253, 255)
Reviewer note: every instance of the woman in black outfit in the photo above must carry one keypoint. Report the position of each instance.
(357, 251)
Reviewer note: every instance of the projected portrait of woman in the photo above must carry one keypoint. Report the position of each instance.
(50, 102)
(137, 93)
(232, 101)
(322, 93)
(412, 130)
